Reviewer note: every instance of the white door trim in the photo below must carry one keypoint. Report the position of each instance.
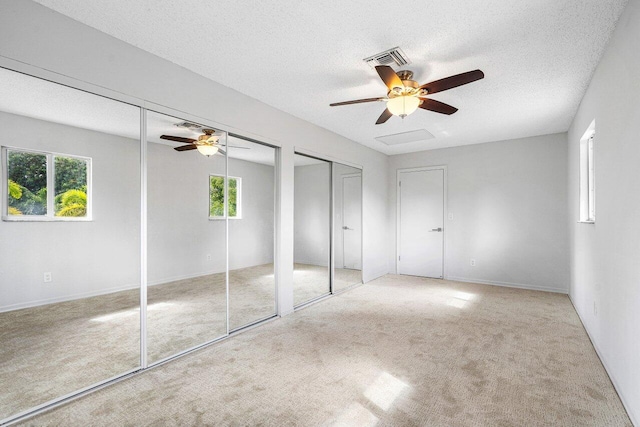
(445, 213)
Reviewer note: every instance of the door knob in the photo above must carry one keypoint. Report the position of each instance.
(439, 230)
(346, 228)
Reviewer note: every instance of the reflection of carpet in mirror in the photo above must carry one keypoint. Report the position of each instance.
(55, 349)
(312, 281)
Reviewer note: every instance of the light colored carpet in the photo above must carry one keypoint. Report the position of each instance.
(397, 351)
(55, 349)
(312, 281)
(344, 278)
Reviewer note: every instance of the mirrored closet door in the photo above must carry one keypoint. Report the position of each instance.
(186, 235)
(70, 246)
(251, 213)
(347, 226)
(312, 228)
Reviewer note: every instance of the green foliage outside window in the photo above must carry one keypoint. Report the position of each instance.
(216, 197)
(27, 174)
(27, 192)
(71, 187)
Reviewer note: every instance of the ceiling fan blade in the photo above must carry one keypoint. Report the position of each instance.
(178, 139)
(386, 115)
(186, 147)
(221, 151)
(357, 101)
(389, 77)
(453, 81)
(437, 106)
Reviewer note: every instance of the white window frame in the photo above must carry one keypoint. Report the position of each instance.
(587, 176)
(50, 215)
(226, 206)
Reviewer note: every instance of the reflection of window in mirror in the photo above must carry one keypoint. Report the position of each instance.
(216, 197)
(45, 186)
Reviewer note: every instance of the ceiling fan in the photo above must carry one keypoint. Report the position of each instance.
(405, 95)
(206, 144)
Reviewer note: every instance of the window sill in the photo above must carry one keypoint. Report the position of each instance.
(44, 219)
(220, 218)
(587, 222)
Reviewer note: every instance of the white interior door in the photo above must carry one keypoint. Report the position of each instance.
(352, 222)
(421, 223)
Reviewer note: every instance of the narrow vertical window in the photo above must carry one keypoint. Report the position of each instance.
(591, 187)
(587, 176)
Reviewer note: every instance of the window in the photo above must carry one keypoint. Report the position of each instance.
(46, 186)
(587, 176)
(216, 197)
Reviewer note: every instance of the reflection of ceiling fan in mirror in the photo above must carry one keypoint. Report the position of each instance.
(207, 143)
(406, 95)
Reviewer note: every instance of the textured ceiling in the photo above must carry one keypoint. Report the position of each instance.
(299, 56)
(40, 99)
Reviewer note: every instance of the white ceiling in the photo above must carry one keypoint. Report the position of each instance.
(538, 57)
(161, 124)
(40, 99)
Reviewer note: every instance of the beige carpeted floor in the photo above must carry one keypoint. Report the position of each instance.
(49, 351)
(397, 351)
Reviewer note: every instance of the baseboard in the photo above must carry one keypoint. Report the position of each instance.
(66, 298)
(557, 290)
(375, 275)
(96, 293)
(181, 277)
(313, 263)
(634, 420)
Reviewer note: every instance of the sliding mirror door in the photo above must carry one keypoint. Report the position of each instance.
(186, 242)
(70, 245)
(347, 226)
(312, 228)
(251, 208)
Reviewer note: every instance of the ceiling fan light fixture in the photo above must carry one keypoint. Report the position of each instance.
(207, 149)
(403, 105)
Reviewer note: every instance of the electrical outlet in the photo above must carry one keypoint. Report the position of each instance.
(472, 262)
(208, 257)
(47, 277)
(595, 309)
(450, 217)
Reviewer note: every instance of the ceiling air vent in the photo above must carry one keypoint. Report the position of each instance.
(389, 57)
(406, 137)
(189, 125)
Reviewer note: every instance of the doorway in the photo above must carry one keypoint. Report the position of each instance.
(421, 212)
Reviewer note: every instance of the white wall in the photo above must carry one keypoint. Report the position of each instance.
(180, 233)
(84, 56)
(312, 214)
(508, 200)
(605, 266)
(102, 256)
(251, 237)
(84, 258)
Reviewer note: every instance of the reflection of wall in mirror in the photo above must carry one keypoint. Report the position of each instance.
(311, 214)
(102, 256)
(84, 258)
(181, 234)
